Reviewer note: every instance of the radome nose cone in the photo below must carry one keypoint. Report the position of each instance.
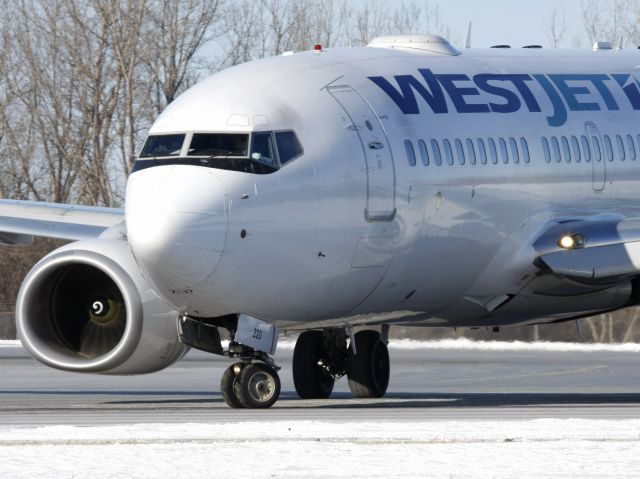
(176, 224)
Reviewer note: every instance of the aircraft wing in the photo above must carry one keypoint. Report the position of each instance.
(20, 221)
(603, 249)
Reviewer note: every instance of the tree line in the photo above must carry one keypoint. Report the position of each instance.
(600, 20)
(81, 81)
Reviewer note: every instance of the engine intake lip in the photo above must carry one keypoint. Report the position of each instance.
(37, 330)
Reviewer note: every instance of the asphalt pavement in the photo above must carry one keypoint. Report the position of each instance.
(426, 384)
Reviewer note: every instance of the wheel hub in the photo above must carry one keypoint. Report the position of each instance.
(261, 386)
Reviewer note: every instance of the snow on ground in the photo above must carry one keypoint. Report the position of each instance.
(301, 449)
(462, 343)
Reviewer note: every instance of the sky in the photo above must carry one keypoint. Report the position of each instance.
(511, 22)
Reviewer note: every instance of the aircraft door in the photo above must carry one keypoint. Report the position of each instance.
(379, 161)
(598, 163)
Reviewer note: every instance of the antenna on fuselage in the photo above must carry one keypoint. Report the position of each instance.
(467, 42)
(619, 45)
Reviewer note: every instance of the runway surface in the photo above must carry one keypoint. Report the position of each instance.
(427, 384)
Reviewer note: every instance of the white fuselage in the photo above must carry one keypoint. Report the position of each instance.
(351, 231)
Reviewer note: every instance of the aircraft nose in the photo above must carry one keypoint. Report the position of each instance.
(176, 224)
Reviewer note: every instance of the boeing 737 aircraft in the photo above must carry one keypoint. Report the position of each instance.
(337, 192)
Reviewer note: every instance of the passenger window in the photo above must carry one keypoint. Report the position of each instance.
(436, 152)
(596, 146)
(556, 149)
(545, 149)
(608, 148)
(525, 150)
(586, 149)
(576, 149)
(289, 147)
(411, 155)
(471, 151)
(566, 150)
(632, 148)
(504, 153)
(514, 150)
(424, 154)
(262, 148)
(620, 147)
(493, 152)
(482, 150)
(448, 152)
(460, 152)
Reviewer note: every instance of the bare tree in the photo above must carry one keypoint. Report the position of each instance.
(177, 31)
(556, 27)
(3, 92)
(369, 22)
(244, 28)
(286, 24)
(271, 27)
(43, 98)
(125, 20)
(407, 18)
(328, 23)
(607, 21)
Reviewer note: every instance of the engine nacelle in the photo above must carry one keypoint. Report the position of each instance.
(86, 307)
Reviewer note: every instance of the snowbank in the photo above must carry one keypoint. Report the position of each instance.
(463, 343)
(536, 448)
(468, 344)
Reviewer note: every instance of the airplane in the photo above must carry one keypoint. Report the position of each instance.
(337, 192)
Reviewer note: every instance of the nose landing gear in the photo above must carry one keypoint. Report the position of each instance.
(250, 385)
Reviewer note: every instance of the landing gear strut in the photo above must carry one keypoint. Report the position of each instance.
(251, 383)
(322, 357)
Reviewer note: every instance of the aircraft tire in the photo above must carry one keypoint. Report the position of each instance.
(228, 386)
(368, 370)
(309, 379)
(258, 386)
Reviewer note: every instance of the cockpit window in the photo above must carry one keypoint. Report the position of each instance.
(219, 145)
(289, 148)
(260, 153)
(162, 146)
(262, 148)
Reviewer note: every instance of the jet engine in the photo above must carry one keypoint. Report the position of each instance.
(86, 307)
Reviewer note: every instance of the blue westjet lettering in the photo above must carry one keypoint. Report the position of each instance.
(564, 92)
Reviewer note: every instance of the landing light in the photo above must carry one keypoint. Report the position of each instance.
(572, 241)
